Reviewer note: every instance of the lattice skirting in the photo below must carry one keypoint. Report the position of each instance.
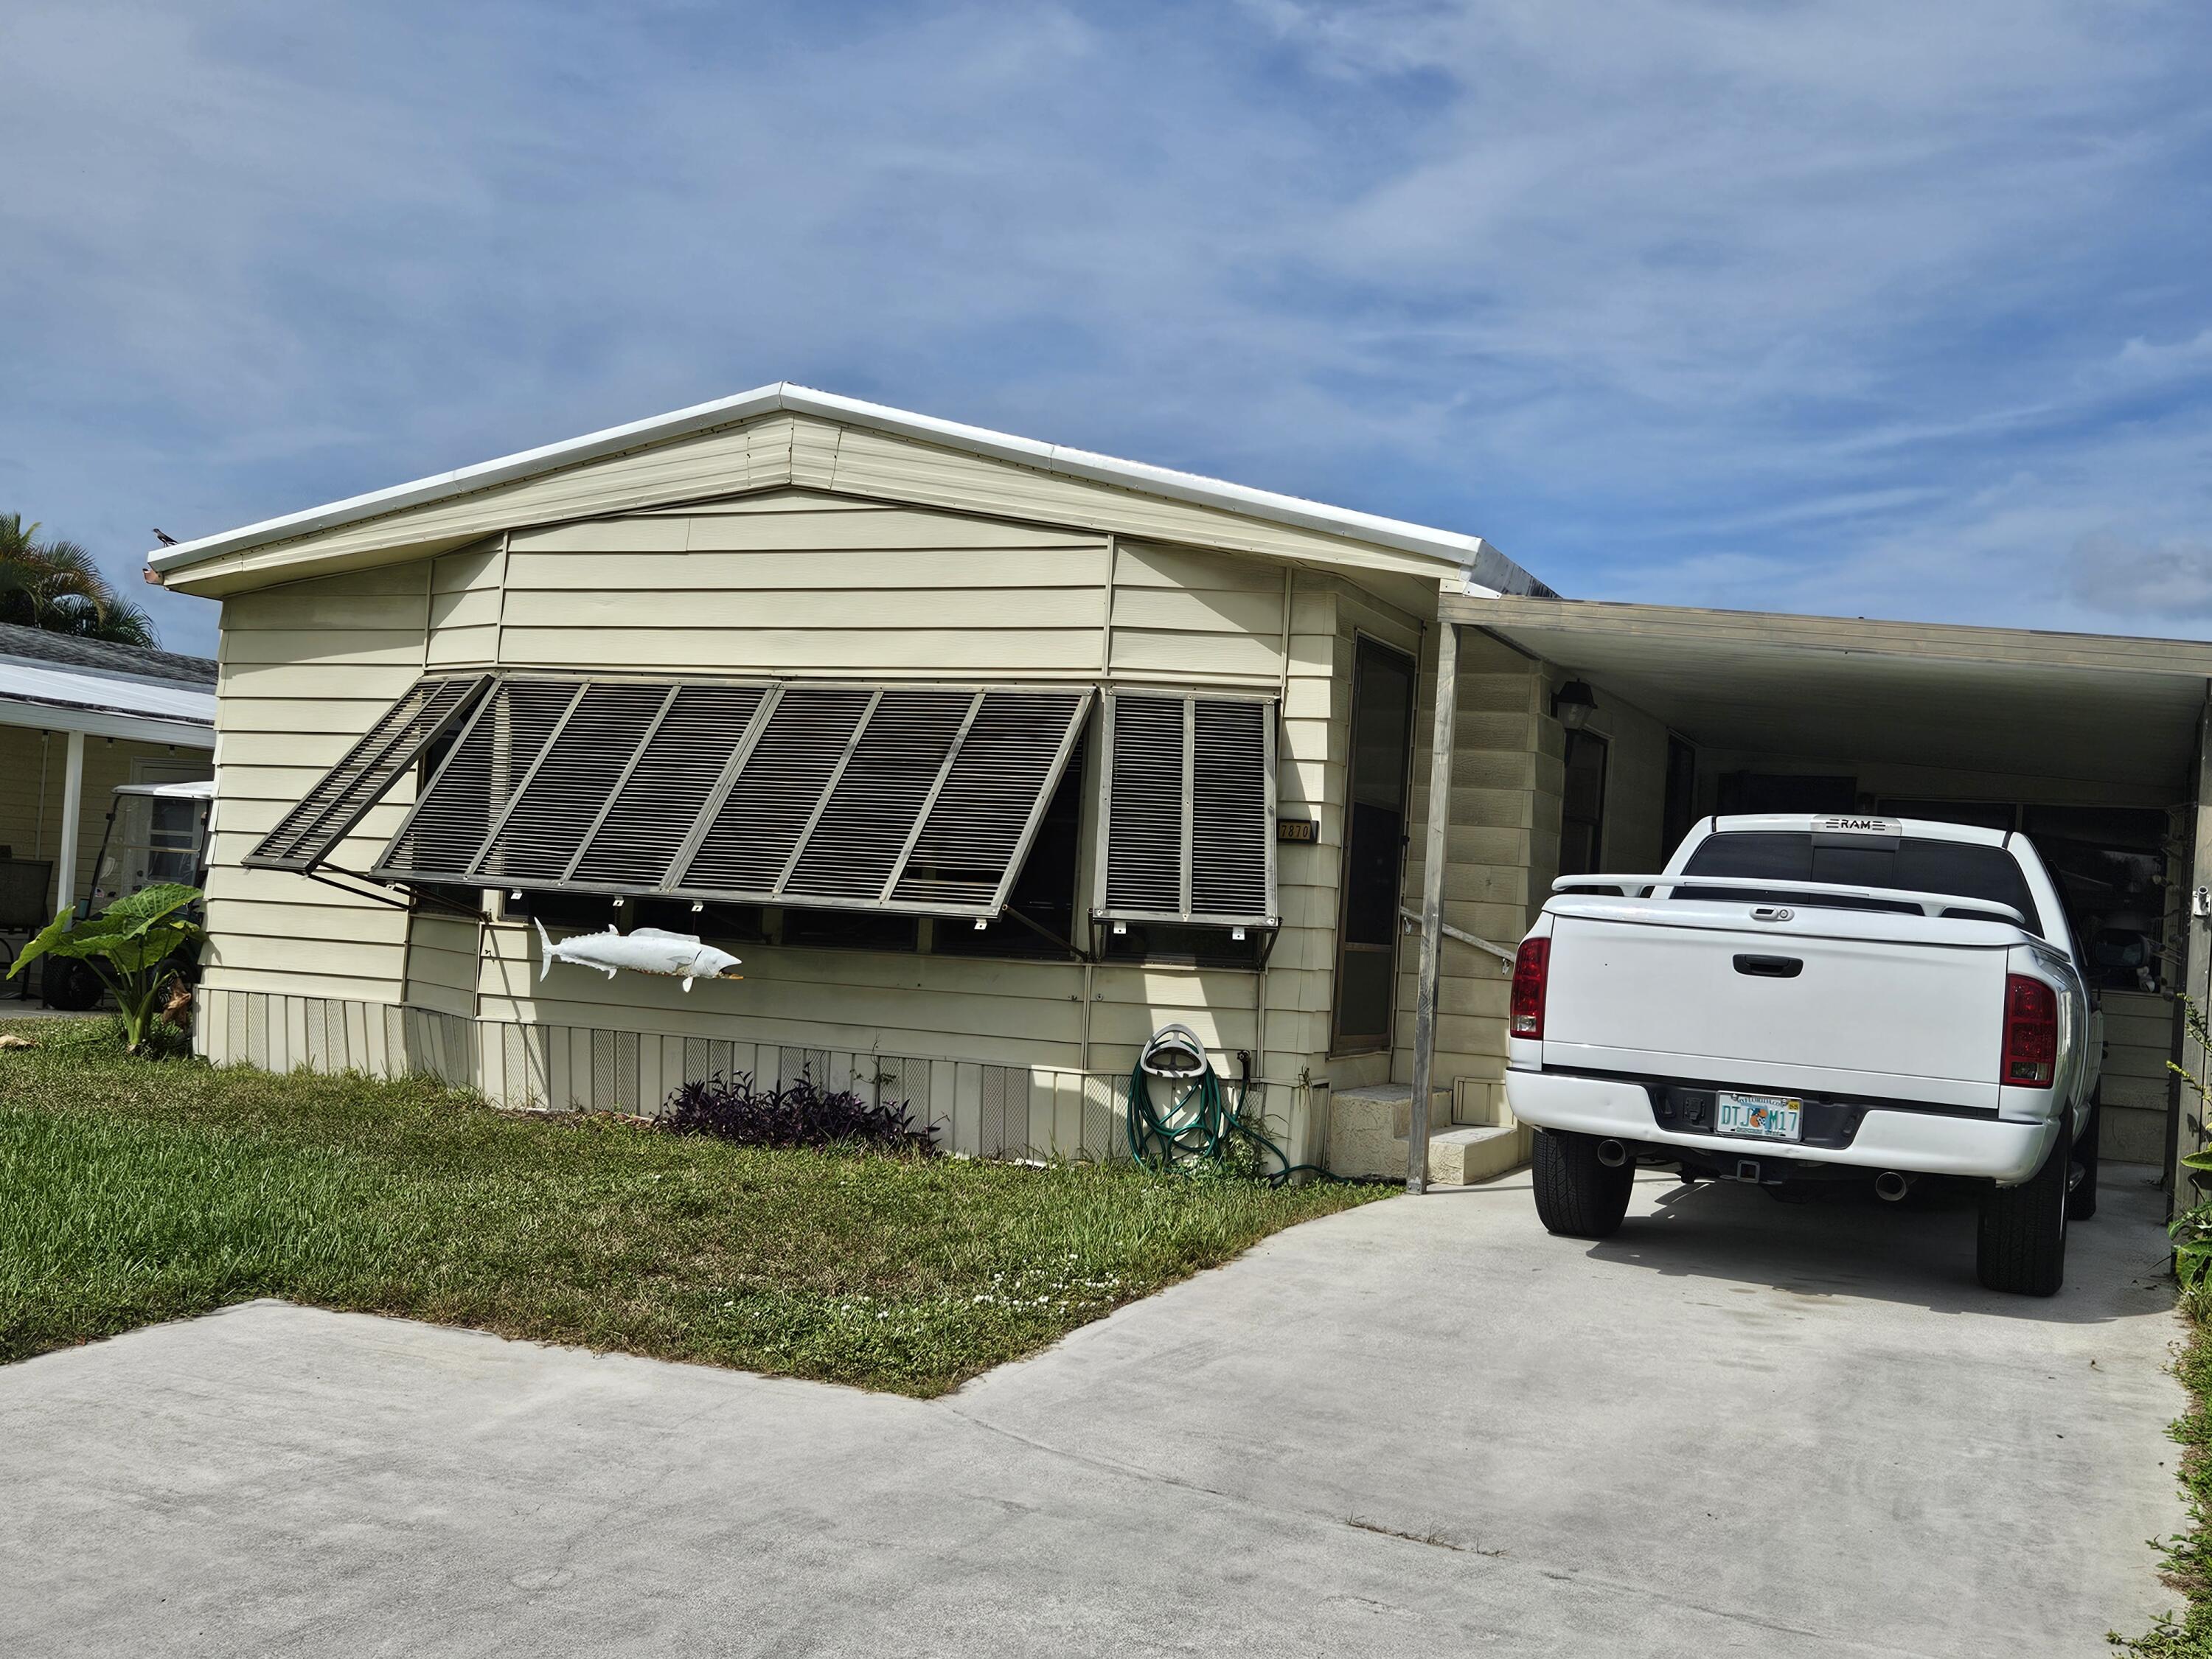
(984, 1110)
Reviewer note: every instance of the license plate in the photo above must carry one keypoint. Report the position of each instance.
(1763, 1117)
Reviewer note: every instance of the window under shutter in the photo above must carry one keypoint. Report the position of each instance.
(344, 795)
(916, 799)
(1188, 810)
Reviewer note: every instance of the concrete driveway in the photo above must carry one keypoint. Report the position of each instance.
(1422, 1428)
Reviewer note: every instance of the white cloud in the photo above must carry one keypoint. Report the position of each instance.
(2168, 580)
(1841, 308)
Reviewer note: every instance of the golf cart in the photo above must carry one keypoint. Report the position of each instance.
(156, 833)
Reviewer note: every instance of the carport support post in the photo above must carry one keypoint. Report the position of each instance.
(72, 810)
(2195, 978)
(1432, 906)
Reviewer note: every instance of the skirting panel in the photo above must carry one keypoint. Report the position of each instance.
(1030, 1112)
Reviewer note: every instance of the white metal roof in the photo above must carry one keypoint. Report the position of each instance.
(67, 699)
(1487, 569)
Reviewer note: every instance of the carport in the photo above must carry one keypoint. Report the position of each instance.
(2094, 745)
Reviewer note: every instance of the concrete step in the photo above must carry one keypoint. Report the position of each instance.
(1460, 1157)
(1367, 1137)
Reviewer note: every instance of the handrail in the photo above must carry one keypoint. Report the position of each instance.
(1933, 904)
(1500, 951)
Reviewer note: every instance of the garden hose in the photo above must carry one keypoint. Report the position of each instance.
(1198, 1126)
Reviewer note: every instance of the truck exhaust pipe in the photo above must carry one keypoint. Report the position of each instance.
(1889, 1186)
(1611, 1154)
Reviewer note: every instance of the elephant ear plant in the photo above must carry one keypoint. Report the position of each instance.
(130, 947)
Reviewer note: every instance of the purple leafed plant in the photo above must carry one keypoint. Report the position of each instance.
(800, 1113)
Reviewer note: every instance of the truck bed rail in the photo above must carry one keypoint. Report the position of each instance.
(1930, 904)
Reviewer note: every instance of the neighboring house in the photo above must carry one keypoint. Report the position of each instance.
(78, 717)
(990, 757)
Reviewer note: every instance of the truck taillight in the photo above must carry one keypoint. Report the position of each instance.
(1530, 965)
(2031, 1032)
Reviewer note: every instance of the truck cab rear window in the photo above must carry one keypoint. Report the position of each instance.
(1968, 869)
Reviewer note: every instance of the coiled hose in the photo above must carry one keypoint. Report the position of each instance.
(1198, 1126)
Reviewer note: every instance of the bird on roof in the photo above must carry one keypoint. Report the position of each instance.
(165, 537)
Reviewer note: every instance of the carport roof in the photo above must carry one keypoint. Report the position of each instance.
(2095, 707)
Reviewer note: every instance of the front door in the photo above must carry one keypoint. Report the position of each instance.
(1374, 849)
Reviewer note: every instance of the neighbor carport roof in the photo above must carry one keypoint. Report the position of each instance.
(2099, 708)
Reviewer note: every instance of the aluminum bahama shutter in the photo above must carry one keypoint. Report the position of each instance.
(920, 799)
(310, 831)
(1186, 810)
(439, 839)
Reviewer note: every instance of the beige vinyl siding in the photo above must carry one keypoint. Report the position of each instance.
(1505, 766)
(1183, 615)
(2136, 1085)
(800, 583)
(305, 668)
(32, 762)
(894, 1002)
(754, 455)
(465, 607)
(782, 452)
(879, 464)
(1017, 1110)
(810, 587)
(442, 961)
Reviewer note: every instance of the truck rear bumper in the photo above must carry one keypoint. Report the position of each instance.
(1917, 1143)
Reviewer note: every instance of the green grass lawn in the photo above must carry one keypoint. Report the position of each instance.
(2189, 1557)
(133, 1191)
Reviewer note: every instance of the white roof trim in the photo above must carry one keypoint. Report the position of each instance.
(1461, 552)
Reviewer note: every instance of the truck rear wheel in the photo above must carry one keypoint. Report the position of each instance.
(2022, 1244)
(1576, 1195)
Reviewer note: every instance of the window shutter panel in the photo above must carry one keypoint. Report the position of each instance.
(1189, 810)
(344, 795)
(1147, 807)
(560, 802)
(440, 839)
(654, 811)
(969, 848)
(777, 792)
(910, 798)
(1232, 813)
(869, 814)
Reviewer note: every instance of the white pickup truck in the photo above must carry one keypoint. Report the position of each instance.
(1800, 997)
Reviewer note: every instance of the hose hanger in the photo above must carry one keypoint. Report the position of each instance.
(1197, 1126)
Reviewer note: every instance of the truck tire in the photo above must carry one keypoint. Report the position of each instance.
(2081, 1203)
(2022, 1244)
(1576, 1196)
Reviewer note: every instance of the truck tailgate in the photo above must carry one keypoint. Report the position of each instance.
(1829, 1001)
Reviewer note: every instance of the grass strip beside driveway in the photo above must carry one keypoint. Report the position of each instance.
(2189, 1557)
(138, 1191)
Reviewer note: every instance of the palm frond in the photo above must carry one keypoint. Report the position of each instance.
(58, 585)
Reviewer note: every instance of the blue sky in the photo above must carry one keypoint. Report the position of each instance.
(1886, 309)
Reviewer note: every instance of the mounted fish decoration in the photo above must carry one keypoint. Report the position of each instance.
(642, 950)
